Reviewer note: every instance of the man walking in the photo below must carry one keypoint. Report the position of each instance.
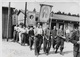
(38, 38)
(54, 35)
(31, 37)
(47, 41)
(60, 40)
(75, 39)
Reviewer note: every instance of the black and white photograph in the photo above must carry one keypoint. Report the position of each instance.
(40, 29)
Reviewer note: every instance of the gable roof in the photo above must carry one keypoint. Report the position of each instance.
(7, 7)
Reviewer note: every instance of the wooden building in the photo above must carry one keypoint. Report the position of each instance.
(67, 21)
(5, 20)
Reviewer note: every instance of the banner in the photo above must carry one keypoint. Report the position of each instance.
(31, 19)
(45, 11)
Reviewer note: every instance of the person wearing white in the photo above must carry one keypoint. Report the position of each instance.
(14, 34)
(27, 30)
(38, 30)
(67, 34)
(38, 39)
(20, 30)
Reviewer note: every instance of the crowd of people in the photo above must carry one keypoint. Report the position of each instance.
(38, 35)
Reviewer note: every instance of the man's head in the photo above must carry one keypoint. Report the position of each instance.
(54, 27)
(79, 27)
(21, 25)
(61, 26)
(38, 25)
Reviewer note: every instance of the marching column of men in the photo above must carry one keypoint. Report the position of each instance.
(37, 36)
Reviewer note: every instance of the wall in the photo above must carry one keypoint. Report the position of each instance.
(4, 23)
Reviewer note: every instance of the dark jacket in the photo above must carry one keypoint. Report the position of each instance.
(31, 32)
(74, 38)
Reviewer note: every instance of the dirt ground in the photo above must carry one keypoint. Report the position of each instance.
(14, 49)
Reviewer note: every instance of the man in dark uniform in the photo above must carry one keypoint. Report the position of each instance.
(60, 40)
(54, 35)
(75, 39)
(31, 37)
(47, 41)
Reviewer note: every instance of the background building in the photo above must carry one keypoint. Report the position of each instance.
(57, 19)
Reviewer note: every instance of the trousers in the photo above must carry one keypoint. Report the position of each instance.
(31, 41)
(47, 45)
(14, 35)
(53, 42)
(38, 42)
(60, 43)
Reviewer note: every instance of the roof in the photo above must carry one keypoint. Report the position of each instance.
(65, 17)
(7, 7)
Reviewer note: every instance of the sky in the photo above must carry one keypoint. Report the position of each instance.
(72, 7)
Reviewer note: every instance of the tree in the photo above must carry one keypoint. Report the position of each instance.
(69, 14)
(73, 14)
(77, 15)
(59, 12)
(34, 10)
(63, 13)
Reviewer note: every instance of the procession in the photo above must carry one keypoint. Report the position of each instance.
(46, 33)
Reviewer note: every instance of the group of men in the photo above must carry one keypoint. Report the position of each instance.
(37, 35)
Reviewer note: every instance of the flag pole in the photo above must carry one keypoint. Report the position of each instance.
(8, 21)
(50, 22)
(25, 13)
